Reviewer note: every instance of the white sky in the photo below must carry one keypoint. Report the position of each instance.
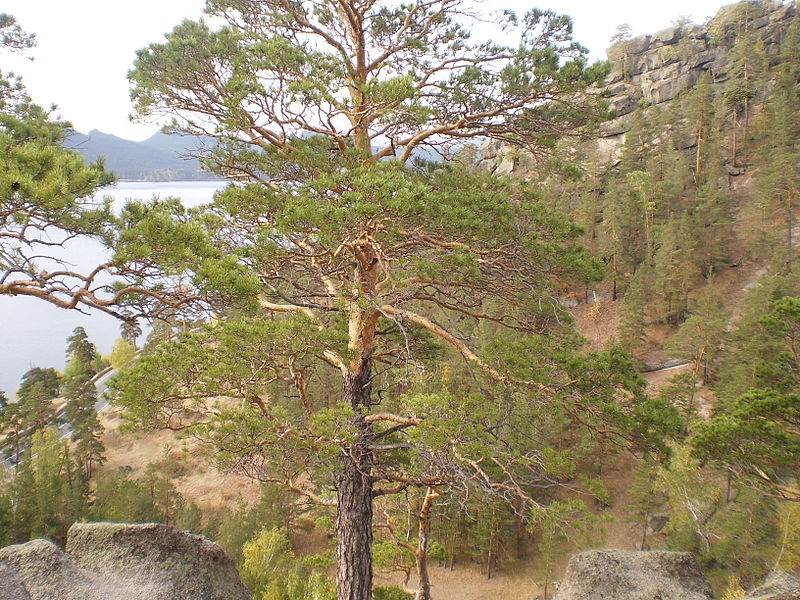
(86, 47)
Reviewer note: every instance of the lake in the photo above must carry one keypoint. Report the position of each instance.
(34, 333)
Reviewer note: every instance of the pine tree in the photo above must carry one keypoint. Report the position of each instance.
(699, 110)
(644, 497)
(779, 156)
(333, 265)
(81, 395)
(47, 192)
(632, 317)
(674, 269)
(46, 497)
(747, 70)
(6, 512)
(130, 331)
(35, 395)
(12, 422)
(23, 502)
(754, 434)
(700, 336)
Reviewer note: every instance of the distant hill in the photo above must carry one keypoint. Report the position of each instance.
(158, 158)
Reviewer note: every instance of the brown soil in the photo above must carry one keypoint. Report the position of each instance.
(598, 322)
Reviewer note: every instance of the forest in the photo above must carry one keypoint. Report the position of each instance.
(465, 307)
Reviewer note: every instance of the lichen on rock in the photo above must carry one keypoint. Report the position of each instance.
(113, 561)
(628, 575)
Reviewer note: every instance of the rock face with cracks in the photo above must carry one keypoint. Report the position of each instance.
(654, 70)
(626, 575)
(111, 561)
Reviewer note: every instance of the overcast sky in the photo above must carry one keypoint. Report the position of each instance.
(85, 47)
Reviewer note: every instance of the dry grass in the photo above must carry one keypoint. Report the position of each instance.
(202, 483)
(465, 583)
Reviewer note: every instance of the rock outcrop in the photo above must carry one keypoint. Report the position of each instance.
(627, 575)
(653, 70)
(778, 585)
(111, 561)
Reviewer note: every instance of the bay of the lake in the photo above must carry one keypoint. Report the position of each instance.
(34, 333)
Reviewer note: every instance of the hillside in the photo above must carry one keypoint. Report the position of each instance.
(669, 422)
(159, 158)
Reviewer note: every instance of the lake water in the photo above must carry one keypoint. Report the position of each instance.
(34, 333)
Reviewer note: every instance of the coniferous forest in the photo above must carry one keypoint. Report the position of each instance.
(466, 306)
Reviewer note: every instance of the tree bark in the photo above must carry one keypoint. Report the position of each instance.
(354, 489)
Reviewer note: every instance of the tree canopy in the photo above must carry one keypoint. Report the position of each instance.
(337, 258)
(46, 196)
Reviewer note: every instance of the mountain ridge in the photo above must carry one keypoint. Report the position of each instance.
(160, 157)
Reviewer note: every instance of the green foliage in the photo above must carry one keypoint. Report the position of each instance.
(276, 509)
(754, 432)
(272, 571)
(644, 497)
(39, 383)
(123, 353)
(700, 337)
(6, 512)
(339, 264)
(692, 497)
(46, 493)
(788, 542)
(81, 394)
(34, 409)
(632, 316)
(731, 526)
(745, 534)
(46, 192)
(123, 500)
(390, 593)
(12, 36)
(779, 153)
(130, 330)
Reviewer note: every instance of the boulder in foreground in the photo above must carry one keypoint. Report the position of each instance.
(111, 561)
(627, 575)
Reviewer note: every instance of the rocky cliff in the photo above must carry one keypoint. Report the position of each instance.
(110, 561)
(653, 70)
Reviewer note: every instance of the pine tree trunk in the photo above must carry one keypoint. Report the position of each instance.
(424, 583)
(698, 154)
(354, 489)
